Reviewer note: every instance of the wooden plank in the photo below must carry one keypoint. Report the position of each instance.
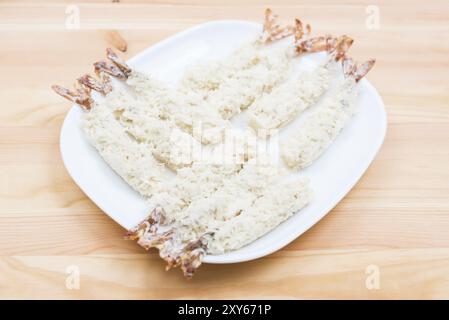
(411, 274)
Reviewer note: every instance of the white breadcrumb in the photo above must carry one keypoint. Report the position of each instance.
(277, 203)
(319, 130)
(232, 85)
(236, 193)
(168, 143)
(238, 146)
(285, 102)
(190, 183)
(202, 197)
(231, 212)
(183, 109)
(132, 161)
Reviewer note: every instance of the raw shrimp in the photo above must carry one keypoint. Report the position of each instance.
(285, 102)
(233, 215)
(256, 190)
(131, 160)
(277, 203)
(157, 99)
(161, 229)
(232, 84)
(159, 136)
(319, 130)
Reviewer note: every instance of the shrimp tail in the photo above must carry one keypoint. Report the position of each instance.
(80, 96)
(188, 257)
(110, 69)
(340, 46)
(272, 30)
(348, 66)
(300, 32)
(150, 224)
(363, 69)
(315, 44)
(103, 85)
(192, 255)
(351, 69)
(119, 62)
(147, 231)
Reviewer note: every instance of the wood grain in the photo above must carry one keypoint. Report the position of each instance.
(396, 218)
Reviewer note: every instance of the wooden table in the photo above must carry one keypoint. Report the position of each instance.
(394, 224)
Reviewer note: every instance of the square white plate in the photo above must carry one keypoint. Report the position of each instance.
(332, 175)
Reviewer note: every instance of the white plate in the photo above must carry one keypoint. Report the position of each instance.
(332, 176)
